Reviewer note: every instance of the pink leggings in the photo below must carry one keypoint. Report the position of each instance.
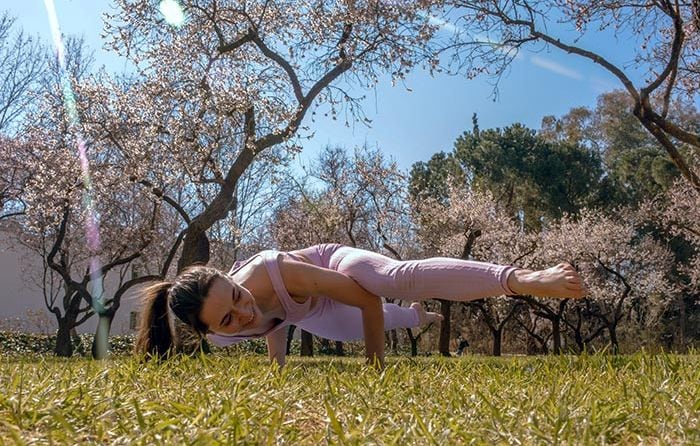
(437, 277)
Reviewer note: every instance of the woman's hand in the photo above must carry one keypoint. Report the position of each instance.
(302, 279)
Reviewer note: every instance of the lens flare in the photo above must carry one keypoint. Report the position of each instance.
(172, 11)
(92, 225)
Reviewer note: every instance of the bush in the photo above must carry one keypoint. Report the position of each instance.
(14, 343)
(19, 343)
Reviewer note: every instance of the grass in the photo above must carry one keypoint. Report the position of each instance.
(649, 399)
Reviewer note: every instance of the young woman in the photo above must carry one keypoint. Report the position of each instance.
(330, 290)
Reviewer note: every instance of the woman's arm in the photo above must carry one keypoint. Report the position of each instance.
(302, 279)
(277, 346)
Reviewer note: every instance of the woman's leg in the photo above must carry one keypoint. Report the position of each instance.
(340, 322)
(437, 277)
(452, 279)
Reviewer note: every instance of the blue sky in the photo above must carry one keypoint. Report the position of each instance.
(408, 125)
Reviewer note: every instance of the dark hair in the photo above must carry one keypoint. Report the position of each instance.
(182, 297)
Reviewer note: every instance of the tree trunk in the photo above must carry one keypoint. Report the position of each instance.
(414, 342)
(556, 335)
(100, 343)
(681, 324)
(614, 344)
(578, 338)
(578, 335)
(64, 343)
(307, 343)
(290, 336)
(497, 337)
(393, 341)
(445, 329)
(195, 249)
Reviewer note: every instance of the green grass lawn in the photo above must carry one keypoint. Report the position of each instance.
(650, 399)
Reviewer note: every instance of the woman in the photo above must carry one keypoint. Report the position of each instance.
(330, 290)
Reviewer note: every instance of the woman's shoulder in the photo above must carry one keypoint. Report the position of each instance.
(247, 266)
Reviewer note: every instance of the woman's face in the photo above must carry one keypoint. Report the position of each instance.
(230, 309)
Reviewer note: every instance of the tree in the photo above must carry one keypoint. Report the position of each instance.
(62, 249)
(355, 199)
(668, 37)
(20, 72)
(636, 166)
(236, 80)
(23, 63)
(683, 215)
(13, 177)
(259, 191)
(625, 272)
(675, 216)
(64, 205)
(470, 224)
(532, 178)
(432, 178)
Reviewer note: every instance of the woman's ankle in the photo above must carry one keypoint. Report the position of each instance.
(519, 281)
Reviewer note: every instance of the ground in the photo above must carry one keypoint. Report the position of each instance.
(643, 398)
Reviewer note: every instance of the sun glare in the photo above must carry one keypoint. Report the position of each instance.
(172, 11)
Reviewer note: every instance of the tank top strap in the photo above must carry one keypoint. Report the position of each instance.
(295, 312)
(238, 264)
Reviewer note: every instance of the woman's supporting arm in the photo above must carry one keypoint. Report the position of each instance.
(302, 279)
(277, 346)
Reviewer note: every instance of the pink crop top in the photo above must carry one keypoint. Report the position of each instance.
(294, 311)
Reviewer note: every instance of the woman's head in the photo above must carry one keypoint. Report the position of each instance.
(184, 298)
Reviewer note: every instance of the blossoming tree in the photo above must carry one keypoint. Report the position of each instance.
(73, 216)
(239, 78)
(622, 269)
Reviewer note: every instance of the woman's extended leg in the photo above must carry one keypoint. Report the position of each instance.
(452, 279)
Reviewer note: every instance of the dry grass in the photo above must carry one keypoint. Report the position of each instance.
(650, 399)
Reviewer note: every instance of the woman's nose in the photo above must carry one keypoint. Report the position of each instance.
(242, 314)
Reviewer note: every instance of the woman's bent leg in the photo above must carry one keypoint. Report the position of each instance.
(340, 322)
(437, 277)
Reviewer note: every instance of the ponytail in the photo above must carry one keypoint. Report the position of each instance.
(156, 334)
(162, 301)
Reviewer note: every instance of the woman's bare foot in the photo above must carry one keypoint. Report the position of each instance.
(425, 317)
(561, 280)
